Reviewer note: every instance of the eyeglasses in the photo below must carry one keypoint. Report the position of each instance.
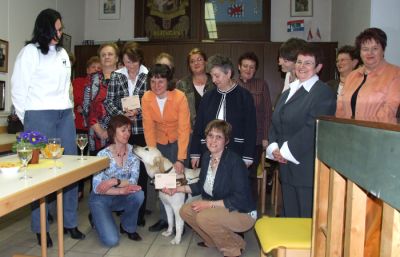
(343, 60)
(215, 137)
(196, 60)
(305, 63)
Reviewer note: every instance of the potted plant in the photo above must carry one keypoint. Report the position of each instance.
(36, 139)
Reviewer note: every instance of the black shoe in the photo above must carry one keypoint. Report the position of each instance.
(158, 226)
(141, 222)
(74, 232)
(132, 236)
(50, 218)
(90, 217)
(147, 212)
(48, 238)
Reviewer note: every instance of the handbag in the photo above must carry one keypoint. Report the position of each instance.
(14, 125)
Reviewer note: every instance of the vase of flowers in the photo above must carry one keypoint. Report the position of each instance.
(36, 139)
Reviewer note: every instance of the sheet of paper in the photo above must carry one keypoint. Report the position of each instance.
(167, 180)
(130, 102)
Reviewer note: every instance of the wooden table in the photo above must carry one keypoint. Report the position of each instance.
(16, 193)
(6, 142)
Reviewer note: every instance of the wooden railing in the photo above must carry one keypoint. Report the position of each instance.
(357, 189)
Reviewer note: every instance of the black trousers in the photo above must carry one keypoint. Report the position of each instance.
(297, 201)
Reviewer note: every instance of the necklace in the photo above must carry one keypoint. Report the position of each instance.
(120, 154)
(214, 162)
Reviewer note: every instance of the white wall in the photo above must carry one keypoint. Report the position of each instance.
(73, 13)
(349, 18)
(17, 18)
(280, 15)
(385, 15)
(109, 30)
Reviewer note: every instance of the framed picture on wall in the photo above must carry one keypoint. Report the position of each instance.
(66, 42)
(3, 56)
(301, 8)
(109, 9)
(223, 20)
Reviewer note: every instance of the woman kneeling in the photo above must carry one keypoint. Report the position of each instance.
(115, 188)
(227, 208)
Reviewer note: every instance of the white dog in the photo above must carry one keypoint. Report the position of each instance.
(156, 163)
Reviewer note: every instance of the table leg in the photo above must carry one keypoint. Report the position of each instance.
(60, 223)
(43, 220)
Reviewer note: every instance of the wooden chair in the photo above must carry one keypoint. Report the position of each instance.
(262, 171)
(284, 237)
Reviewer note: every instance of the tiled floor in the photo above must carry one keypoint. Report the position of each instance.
(16, 237)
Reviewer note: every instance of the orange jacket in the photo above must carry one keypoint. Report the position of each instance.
(173, 125)
(378, 98)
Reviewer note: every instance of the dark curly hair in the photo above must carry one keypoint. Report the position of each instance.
(161, 71)
(314, 50)
(249, 56)
(375, 34)
(44, 30)
(352, 52)
(289, 49)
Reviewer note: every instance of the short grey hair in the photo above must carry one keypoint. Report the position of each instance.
(222, 62)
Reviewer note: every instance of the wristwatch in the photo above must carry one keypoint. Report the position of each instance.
(118, 183)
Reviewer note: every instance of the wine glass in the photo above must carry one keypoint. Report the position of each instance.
(54, 145)
(81, 141)
(24, 151)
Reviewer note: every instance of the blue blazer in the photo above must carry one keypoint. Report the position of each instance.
(231, 183)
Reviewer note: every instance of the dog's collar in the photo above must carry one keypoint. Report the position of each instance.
(168, 170)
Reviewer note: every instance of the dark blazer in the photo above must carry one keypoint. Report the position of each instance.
(231, 182)
(240, 113)
(186, 86)
(334, 84)
(294, 122)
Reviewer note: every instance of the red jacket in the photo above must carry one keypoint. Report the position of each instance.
(79, 86)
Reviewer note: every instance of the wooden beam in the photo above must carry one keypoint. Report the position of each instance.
(320, 213)
(354, 235)
(336, 208)
(390, 237)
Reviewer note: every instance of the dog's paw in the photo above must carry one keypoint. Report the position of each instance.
(176, 241)
(166, 233)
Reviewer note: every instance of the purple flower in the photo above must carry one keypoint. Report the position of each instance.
(35, 138)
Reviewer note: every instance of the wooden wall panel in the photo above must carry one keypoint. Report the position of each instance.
(271, 72)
